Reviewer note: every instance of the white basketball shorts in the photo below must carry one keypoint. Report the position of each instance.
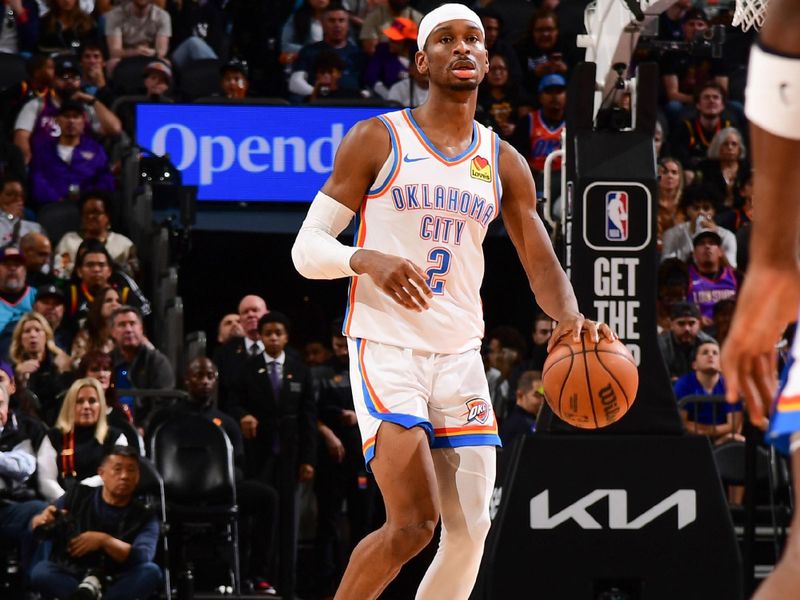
(445, 394)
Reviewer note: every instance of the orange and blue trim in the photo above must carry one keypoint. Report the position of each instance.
(470, 435)
(396, 162)
(785, 418)
(434, 151)
(498, 192)
(378, 410)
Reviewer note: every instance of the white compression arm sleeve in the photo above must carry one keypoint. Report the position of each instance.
(316, 253)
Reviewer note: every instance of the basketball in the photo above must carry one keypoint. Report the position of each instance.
(590, 385)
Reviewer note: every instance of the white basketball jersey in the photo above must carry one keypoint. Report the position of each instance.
(434, 211)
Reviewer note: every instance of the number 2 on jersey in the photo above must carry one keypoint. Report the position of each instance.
(440, 257)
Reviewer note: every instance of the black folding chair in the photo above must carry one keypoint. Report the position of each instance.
(195, 458)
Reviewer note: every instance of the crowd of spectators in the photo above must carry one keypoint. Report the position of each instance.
(73, 314)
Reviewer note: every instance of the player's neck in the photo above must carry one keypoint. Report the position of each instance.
(452, 114)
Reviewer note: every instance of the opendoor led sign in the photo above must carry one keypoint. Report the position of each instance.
(248, 153)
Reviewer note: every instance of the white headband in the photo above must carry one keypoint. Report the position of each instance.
(446, 12)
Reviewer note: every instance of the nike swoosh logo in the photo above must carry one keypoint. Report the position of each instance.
(411, 160)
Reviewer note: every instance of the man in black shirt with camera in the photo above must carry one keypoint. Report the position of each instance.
(104, 539)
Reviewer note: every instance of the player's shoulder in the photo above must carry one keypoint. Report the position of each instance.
(367, 140)
(368, 131)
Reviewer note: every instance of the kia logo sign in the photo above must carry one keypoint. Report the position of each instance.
(541, 518)
(248, 152)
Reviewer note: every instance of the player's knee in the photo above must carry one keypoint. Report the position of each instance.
(408, 539)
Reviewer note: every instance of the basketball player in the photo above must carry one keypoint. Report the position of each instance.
(425, 183)
(770, 297)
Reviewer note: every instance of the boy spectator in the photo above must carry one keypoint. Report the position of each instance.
(62, 167)
(275, 406)
(718, 420)
(335, 31)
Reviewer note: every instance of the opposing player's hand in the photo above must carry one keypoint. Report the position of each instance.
(574, 324)
(398, 277)
(767, 303)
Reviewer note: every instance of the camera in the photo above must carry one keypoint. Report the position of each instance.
(63, 528)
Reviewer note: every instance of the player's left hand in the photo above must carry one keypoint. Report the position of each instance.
(576, 323)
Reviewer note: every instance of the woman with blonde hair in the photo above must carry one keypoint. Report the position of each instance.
(726, 168)
(41, 368)
(72, 451)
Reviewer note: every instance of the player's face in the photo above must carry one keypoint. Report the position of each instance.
(455, 56)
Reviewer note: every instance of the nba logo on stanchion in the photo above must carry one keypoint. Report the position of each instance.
(617, 216)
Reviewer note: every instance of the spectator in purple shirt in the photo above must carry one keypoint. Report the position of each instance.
(62, 167)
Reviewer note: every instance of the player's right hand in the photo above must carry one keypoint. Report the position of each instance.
(398, 277)
(767, 303)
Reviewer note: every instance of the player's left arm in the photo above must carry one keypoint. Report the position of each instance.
(547, 279)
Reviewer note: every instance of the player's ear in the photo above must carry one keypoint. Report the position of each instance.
(421, 60)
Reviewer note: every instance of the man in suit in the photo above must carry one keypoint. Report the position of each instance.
(231, 356)
(275, 405)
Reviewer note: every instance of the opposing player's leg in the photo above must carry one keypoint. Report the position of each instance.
(466, 479)
(404, 470)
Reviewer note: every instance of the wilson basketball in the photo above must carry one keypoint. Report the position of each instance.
(590, 385)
